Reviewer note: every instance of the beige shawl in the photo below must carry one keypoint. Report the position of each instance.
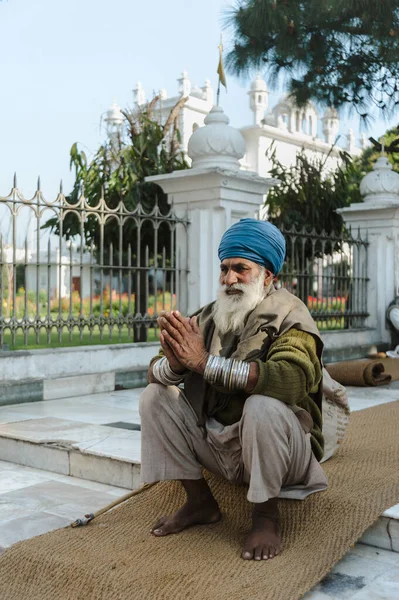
(274, 316)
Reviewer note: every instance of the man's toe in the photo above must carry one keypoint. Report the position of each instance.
(158, 524)
(166, 528)
(258, 553)
(247, 555)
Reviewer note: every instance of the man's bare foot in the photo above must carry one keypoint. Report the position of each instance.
(201, 508)
(263, 541)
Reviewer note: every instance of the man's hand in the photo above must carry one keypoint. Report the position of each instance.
(184, 338)
(174, 362)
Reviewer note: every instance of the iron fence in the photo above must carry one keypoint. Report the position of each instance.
(328, 272)
(106, 282)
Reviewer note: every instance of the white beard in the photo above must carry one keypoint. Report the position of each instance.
(229, 312)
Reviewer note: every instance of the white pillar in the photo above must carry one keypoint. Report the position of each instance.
(378, 219)
(258, 99)
(214, 194)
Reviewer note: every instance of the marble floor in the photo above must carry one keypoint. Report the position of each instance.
(33, 501)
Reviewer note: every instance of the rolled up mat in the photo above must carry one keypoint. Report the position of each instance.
(365, 372)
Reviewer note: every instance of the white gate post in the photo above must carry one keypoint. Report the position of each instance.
(214, 194)
(377, 218)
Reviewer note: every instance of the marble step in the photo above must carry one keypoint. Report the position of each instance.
(108, 455)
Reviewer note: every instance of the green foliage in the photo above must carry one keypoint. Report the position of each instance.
(332, 51)
(308, 195)
(117, 173)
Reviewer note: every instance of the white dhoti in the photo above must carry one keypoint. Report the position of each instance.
(267, 449)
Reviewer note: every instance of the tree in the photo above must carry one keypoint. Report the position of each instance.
(304, 206)
(117, 173)
(332, 51)
(308, 194)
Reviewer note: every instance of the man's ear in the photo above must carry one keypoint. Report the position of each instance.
(269, 276)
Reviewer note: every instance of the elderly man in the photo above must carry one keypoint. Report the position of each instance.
(250, 405)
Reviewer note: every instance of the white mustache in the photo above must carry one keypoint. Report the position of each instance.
(235, 287)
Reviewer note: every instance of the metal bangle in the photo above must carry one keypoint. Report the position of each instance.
(163, 372)
(230, 373)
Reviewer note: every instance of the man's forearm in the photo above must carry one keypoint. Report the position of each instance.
(253, 377)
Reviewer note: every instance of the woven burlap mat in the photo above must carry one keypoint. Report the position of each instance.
(115, 557)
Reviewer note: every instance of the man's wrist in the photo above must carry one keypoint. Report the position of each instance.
(162, 371)
(177, 370)
(202, 363)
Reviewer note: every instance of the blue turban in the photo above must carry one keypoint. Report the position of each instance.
(259, 241)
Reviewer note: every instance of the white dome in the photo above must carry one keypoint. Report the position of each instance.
(381, 181)
(114, 114)
(331, 113)
(287, 101)
(259, 84)
(217, 144)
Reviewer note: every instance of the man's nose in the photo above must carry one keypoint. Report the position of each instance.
(230, 277)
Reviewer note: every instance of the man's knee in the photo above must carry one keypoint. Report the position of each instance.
(150, 400)
(265, 414)
(259, 408)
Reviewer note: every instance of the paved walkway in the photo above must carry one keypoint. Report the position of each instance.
(103, 430)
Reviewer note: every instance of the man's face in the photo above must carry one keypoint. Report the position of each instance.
(240, 270)
(242, 288)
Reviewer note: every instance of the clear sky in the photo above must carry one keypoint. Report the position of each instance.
(64, 61)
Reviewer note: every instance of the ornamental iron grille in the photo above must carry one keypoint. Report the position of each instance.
(81, 274)
(328, 272)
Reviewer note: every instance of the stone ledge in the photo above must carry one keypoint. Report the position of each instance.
(99, 468)
(37, 390)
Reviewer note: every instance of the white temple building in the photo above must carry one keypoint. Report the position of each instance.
(286, 126)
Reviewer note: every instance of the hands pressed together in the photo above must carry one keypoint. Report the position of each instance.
(182, 342)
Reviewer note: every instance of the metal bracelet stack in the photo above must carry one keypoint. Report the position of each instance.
(230, 373)
(163, 372)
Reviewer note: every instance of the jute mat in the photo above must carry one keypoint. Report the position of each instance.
(115, 557)
(365, 372)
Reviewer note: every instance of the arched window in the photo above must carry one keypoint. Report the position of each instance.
(297, 123)
(310, 125)
(259, 99)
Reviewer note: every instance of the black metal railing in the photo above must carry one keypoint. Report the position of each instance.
(328, 272)
(105, 284)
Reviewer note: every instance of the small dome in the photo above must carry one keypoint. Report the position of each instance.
(114, 114)
(216, 144)
(259, 84)
(287, 101)
(381, 181)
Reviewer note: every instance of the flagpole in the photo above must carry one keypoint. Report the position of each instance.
(220, 71)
